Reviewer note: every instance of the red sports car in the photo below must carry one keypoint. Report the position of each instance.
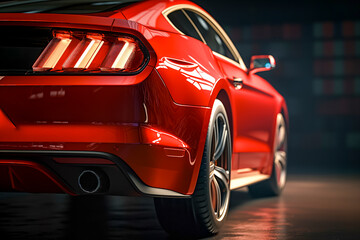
(125, 97)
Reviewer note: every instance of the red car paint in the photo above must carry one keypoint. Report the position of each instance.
(155, 121)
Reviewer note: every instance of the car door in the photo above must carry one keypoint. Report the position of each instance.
(252, 107)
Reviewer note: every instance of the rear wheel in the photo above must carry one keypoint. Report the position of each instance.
(276, 183)
(203, 213)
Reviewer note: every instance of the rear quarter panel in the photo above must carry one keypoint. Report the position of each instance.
(187, 67)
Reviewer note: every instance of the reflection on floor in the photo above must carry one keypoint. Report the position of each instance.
(325, 207)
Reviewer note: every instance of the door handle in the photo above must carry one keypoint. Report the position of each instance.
(238, 83)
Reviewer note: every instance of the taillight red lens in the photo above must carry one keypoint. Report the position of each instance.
(90, 52)
(120, 55)
(53, 52)
(83, 54)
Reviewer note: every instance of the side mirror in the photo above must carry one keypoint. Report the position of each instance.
(261, 63)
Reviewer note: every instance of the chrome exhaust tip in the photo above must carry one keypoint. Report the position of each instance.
(89, 181)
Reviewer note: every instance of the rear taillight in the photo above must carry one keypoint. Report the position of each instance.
(71, 51)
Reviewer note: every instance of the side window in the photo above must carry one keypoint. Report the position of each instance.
(212, 38)
(181, 22)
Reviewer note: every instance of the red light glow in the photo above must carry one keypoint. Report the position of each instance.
(91, 52)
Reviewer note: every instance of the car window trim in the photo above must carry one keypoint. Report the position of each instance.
(193, 24)
(215, 26)
(189, 19)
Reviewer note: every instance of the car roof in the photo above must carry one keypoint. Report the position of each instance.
(150, 13)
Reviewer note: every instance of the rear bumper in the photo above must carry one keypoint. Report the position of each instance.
(146, 157)
(53, 172)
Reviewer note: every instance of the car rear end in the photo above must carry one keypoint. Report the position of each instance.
(82, 110)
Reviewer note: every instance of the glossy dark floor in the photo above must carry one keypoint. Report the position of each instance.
(326, 207)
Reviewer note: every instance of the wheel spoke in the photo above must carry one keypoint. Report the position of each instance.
(211, 170)
(278, 171)
(218, 197)
(280, 157)
(221, 180)
(280, 166)
(221, 144)
(216, 131)
(281, 136)
(222, 174)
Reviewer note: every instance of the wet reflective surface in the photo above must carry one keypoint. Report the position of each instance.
(321, 207)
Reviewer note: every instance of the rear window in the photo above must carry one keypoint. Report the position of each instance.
(212, 38)
(181, 22)
(64, 6)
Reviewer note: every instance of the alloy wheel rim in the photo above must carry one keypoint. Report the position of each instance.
(219, 173)
(280, 152)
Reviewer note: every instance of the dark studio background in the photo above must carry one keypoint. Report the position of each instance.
(317, 48)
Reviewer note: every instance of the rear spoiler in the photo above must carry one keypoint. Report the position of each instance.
(67, 21)
(57, 20)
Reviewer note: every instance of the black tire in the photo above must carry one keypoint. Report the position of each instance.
(276, 183)
(203, 214)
